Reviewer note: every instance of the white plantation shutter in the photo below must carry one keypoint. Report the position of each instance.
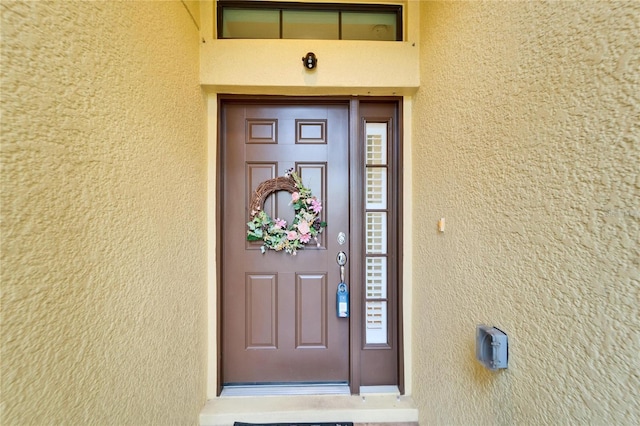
(376, 229)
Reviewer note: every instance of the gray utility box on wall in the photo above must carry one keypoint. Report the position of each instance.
(491, 347)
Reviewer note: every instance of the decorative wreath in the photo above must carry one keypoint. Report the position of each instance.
(275, 234)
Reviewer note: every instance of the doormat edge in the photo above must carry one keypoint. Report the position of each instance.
(295, 424)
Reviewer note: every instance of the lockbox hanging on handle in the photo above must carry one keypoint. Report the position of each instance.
(342, 301)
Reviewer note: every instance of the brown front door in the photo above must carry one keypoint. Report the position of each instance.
(279, 321)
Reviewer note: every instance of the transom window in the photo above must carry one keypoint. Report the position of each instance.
(320, 21)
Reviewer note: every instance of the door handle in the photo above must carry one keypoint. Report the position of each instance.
(342, 260)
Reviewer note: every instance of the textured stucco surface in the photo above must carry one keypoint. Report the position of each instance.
(527, 141)
(525, 138)
(103, 188)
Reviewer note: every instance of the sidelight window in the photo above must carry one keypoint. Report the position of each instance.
(377, 250)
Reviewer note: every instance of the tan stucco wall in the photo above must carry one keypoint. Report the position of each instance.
(526, 140)
(103, 187)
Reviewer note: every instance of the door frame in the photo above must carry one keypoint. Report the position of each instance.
(357, 177)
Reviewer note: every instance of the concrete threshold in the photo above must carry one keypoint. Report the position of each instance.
(377, 409)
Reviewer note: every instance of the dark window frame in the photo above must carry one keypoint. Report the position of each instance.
(332, 7)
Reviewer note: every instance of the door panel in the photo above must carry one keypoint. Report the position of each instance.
(260, 314)
(311, 315)
(279, 320)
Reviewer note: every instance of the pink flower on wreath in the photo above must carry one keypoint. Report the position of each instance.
(305, 238)
(295, 196)
(292, 235)
(316, 206)
(303, 227)
(280, 223)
